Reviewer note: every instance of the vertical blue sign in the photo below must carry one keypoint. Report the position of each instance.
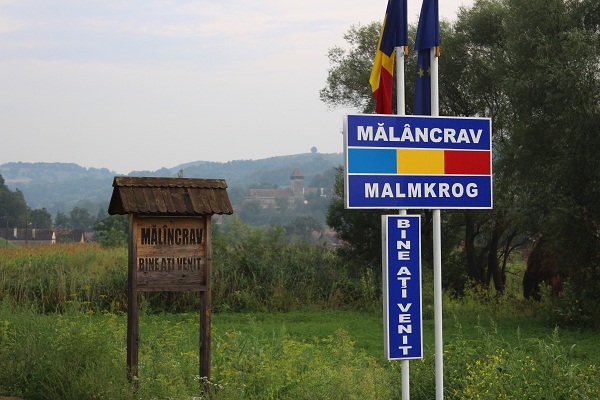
(402, 304)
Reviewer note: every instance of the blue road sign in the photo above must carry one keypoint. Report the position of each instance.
(402, 305)
(421, 162)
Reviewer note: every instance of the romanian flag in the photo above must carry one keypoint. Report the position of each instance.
(394, 33)
(419, 162)
(428, 36)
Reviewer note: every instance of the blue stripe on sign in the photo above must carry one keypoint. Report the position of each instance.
(377, 161)
(419, 191)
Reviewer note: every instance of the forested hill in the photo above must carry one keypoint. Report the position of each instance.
(62, 186)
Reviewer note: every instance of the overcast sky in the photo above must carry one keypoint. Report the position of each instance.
(140, 85)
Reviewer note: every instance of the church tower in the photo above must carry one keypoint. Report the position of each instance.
(297, 183)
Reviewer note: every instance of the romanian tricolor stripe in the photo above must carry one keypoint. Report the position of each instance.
(394, 33)
(418, 162)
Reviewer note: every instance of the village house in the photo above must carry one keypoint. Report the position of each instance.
(33, 236)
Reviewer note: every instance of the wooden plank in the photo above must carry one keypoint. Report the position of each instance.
(177, 198)
(140, 201)
(159, 197)
(149, 196)
(178, 288)
(168, 199)
(171, 253)
(132, 309)
(205, 316)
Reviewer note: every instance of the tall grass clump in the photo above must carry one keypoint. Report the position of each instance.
(485, 365)
(61, 356)
(252, 270)
(259, 269)
(279, 367)
(54, 277)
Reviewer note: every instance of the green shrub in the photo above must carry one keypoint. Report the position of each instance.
(60, 356)
(578, 304)
(491, 367)
(283, 368)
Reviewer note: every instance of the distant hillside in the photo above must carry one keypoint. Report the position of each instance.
(62, 186)
(276, 170)
(59, 186)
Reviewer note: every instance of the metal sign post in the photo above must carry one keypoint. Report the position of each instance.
(419, 162)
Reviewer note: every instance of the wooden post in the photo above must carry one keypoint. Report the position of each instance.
(132, 308)
(205, 312)
(169, 247)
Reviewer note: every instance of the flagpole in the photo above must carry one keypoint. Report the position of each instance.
(437, 250)
(400, 89)
(401, 110)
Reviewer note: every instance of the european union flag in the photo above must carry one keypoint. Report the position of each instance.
(428, 36)
(422, 102)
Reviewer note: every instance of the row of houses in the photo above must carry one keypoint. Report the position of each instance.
(33, 236)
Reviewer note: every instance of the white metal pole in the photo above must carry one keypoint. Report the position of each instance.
(405, 379)
(435, 91)
(401, 110)
(437, 252)
(437, 305)
(400, 89)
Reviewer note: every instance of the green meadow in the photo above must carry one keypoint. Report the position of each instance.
(63, 334)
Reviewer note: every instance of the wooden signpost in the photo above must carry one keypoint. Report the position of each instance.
(169, 246)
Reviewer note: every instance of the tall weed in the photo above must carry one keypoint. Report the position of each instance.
(52, 278)
(263, 271)
(66, 356)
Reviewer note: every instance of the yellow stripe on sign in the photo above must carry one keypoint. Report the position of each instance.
(415, 161)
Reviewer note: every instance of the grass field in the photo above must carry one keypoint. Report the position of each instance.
(63, 336)
(284, 355)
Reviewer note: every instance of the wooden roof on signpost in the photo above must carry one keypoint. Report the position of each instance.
(169, 196)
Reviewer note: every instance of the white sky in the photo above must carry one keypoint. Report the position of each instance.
(140, 85)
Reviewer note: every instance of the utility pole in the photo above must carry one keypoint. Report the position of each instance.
(6, 232)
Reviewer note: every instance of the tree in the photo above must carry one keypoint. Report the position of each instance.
(554, 86)
(81, 218)
(553, 83)
(472, 76)
(61, 220)
(112, 231)
(40, 218)
(251, 212)
(12, 204)
(303, 226)
(498, 61)
(360, 230)
(348, 78)
(233, 230)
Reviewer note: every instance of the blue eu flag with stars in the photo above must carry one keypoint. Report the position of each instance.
(428, 36)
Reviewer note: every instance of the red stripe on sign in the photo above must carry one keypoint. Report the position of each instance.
(460, 162)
